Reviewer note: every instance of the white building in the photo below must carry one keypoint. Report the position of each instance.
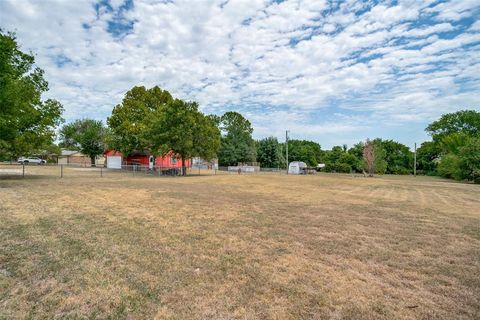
(297, 167)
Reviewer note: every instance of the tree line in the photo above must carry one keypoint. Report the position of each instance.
(153, 120)
(454, 151)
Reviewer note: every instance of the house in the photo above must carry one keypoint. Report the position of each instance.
(72, 157)
(143, 159)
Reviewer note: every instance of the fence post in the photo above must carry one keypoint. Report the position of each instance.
(23, 170)
(61, 171)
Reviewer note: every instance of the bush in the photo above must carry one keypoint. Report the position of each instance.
(329, 167)
(476, 176)
(343, 167)
(470, 160)
(449, 167)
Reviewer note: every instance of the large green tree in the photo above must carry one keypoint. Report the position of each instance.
(309, 152)
(339, 159)
(357, 150)
(269, 153)
(331, 159)
(470, 160)
(85, 135)
(346, 163)
(27, 122)
(456, 140)
(389, 157)
(206, 138)
(464, 163)
(453, 142)
(428, 156)
(398, 156)
(179, 127)
(130, 119)
(464, 121)
(237, 144)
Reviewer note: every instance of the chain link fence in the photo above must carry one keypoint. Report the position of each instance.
(15, 170)
(251, 171)
(19, 170)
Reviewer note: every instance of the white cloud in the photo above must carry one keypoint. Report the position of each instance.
(303, 60)
(475, 26)
(422, 32)
(455, 10)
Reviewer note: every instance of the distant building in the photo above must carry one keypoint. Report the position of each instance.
(72, 157)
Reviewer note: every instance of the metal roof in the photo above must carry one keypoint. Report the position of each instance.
(68, 152)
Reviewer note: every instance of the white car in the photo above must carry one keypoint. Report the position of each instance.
(28, 160)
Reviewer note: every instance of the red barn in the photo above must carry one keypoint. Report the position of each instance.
(115, 160)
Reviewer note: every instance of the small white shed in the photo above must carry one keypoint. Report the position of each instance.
(297, 167)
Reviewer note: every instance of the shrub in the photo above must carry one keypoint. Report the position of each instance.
(449, 167)
(343, 167)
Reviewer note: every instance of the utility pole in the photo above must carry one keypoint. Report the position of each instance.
(286, 147)
(415, 161)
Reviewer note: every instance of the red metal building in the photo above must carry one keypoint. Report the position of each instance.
(144, 159)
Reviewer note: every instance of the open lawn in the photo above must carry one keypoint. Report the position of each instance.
(265, 246)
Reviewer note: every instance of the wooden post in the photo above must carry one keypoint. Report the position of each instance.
(415, 161)
(23, 170)
(286, 147)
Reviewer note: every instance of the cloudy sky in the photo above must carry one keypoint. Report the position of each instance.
(331, 71)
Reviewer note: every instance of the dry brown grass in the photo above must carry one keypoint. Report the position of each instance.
(239, 247)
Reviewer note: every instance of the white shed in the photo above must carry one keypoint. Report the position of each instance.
(297, 167)
(114, 162)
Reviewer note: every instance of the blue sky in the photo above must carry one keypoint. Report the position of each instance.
(336, 72)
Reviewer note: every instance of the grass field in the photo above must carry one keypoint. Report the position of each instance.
(264, 246)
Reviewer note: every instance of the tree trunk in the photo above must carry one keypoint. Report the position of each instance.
(92, 161)
(184, 170)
